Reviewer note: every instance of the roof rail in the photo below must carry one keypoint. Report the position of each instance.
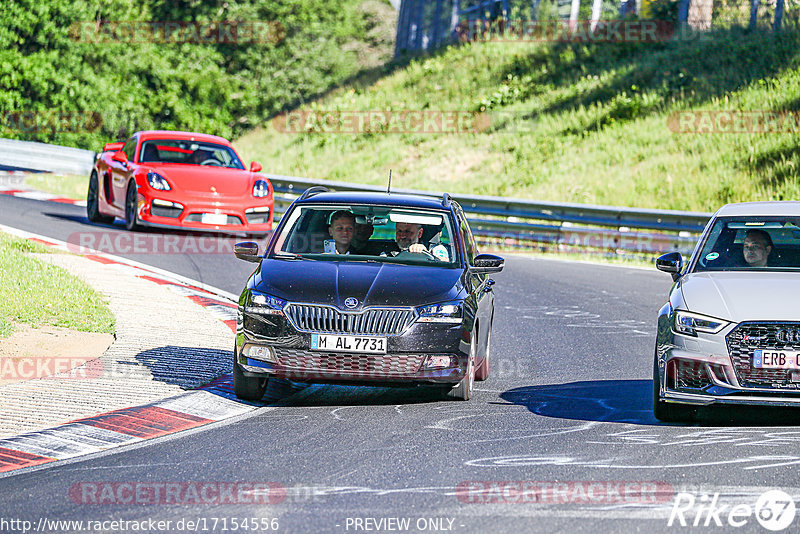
(446, 200)
(311, 191)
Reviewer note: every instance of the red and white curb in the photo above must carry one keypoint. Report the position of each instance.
(38, 195)
(210, 403)
(117, 428)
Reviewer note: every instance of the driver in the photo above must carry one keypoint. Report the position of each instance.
(199, 156)
(757, 248)
(407, 236)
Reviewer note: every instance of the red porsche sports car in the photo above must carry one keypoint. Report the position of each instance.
(179, 179)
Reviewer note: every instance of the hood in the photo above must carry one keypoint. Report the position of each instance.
(743, 296)
(200, 179)
(373, 284)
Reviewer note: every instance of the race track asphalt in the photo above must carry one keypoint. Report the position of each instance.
(567, 412)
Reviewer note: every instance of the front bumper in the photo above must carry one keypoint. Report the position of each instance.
(244, 215)
(700, 372)
(404, 363)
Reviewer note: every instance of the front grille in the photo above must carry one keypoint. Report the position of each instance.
(372, 321)
(747, 337)
(166, 211)
(333, 365)
(687, 374)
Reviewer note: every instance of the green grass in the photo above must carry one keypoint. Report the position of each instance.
(597, 115)
(67, 186)
(37, 293)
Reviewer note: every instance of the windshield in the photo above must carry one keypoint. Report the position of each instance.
(368, 233)
(189, 153)
(751, 244)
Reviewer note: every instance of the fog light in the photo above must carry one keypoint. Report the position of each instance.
(260, 352)
(440, 362)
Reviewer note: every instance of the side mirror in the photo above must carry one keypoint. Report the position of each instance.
(120, 156)
(671, 263)
(247, 251)
(255, 166)
(487, 263)
(113, 147)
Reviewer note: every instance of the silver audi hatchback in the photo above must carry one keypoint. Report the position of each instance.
(730, 333)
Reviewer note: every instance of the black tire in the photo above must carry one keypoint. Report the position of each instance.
(93, 201)
(131, 207)
(666, 411)
(247, 388)
(463, 390)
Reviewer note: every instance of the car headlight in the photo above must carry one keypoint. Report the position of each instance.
(157, 181)
(261, 189)
(264, 304)
(690, 324)
(444, 312)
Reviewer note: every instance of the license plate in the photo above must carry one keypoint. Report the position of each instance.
(214, 218)
(338, 343)
(776, 359)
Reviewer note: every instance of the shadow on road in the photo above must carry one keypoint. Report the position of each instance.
(630, 401)
(282, 392)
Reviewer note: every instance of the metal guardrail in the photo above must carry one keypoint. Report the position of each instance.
(495, 221)
(517, 223)
(28, 155)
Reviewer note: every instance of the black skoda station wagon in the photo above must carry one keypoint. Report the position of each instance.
(362, 288)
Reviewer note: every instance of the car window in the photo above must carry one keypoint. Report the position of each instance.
(189, 152)
(466, 235)
(751, 243)
(130, 148)
(359, 232)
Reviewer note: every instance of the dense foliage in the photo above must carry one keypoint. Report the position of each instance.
(58, 73)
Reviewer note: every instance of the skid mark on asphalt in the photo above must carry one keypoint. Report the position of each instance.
(737, 437)
(756, 462)
(587, 319)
